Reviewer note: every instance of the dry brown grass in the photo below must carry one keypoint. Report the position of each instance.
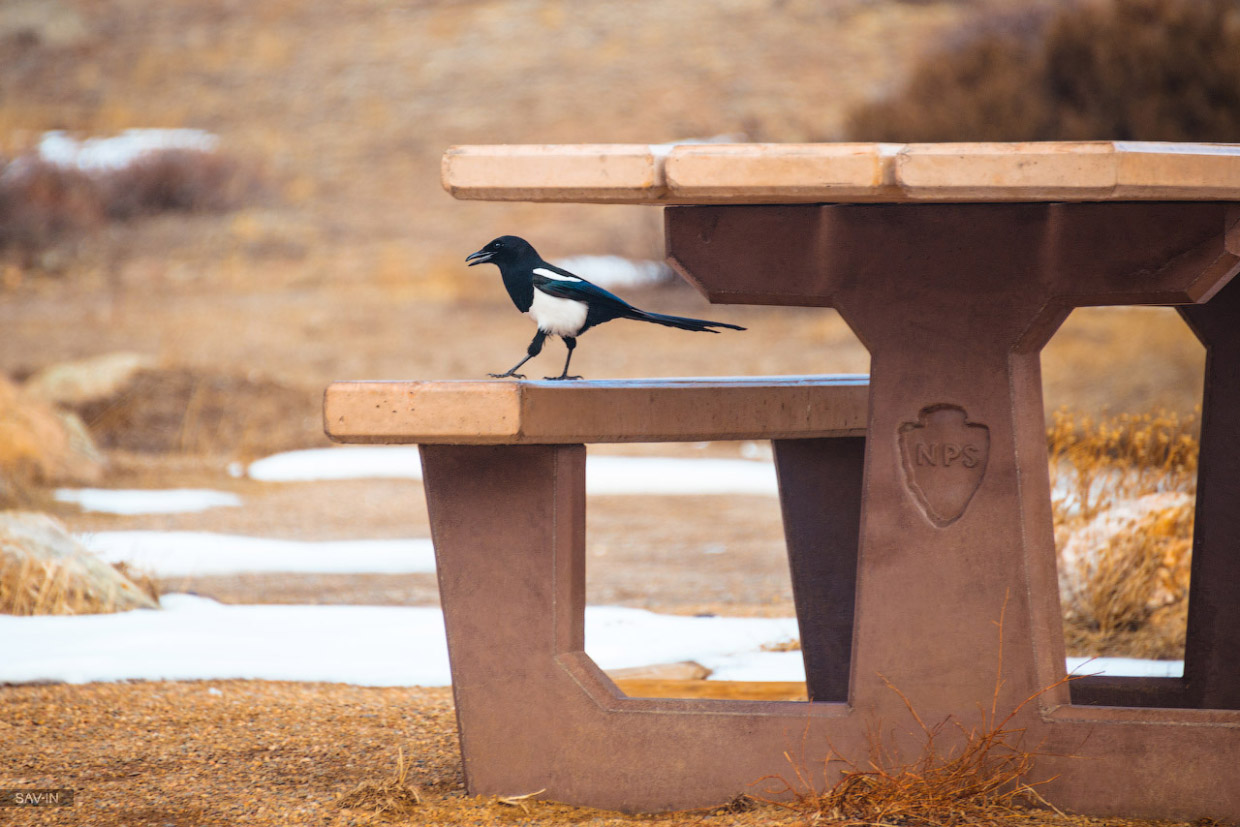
(51, 587)
(1123, 526)
(394, 796)
(206, 414)
(43, 204)
(1108, 459)
(39, 447)
(1154, 70)
(964, 775)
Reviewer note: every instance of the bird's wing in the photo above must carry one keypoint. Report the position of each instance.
(564, 285)
(603, 304)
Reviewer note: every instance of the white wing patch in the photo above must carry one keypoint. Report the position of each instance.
(559, 317)
(551, 274)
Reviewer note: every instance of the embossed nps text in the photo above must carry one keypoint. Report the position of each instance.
(944, 457)
(930, 453)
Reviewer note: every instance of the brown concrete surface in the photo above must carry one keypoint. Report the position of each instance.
(844, 172)
(955, 598)
(954, 303)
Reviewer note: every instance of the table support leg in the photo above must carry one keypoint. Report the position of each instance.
(1212, 657)
(820, 498)
(954, 303)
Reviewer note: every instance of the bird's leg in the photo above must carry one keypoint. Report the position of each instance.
(572, 343)
(533, 350)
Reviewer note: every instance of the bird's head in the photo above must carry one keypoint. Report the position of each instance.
(507, 249)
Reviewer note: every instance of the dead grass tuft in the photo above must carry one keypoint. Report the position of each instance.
(142, 578)
(1123, 515)
(964, 776)
(39, 447)
(392, 797)
(1120, 457)
(29, 586)
(185, 411)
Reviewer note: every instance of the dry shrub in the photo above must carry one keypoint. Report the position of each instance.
(177, 180)
(41, 203)
(39, 447)
(392, 797)
(964, 775)
(1123, 509)
(143, 579)
(1154, 70)
(186, 411)
(30, 586)
(1119, 457)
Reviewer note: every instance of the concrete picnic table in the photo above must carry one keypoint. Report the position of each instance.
(923, 557)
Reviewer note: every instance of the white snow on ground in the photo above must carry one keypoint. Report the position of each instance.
(194, 638)
(102, 154)
(185, 553)
(663, 475)
(756, 666)
(619, 637)
(1131, 667)
(605, 475)
(141, 501)
(349, 463)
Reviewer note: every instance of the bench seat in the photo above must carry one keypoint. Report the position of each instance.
(503, 412)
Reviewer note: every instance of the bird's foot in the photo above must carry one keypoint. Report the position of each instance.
(506, 375)
(559, 378)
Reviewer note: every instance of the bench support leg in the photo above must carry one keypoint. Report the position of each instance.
(508, 523)
(820, 498)
(1212, 657)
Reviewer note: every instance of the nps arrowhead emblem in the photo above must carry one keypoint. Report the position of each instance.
(944, 457)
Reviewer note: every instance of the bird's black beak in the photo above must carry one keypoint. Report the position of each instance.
(480, 257)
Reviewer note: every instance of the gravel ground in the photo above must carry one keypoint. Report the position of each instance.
(251, 752)
(271, 753)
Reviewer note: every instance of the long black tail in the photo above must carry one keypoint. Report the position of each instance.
(682, 322)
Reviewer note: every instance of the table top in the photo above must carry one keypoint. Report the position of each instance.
(508, 412)
(706, 173)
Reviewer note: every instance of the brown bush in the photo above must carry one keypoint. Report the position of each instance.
(184, 411)
(42, 202)
(1154, 70)
(39, 447)
(1123, 511)
(176, 180)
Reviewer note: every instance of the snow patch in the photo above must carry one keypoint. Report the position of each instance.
(140, 501)
(189, 553)
(194, 638)
(105, 154)
(605, 475)
(359, 462)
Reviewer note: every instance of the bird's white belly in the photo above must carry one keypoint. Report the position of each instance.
(559, 317)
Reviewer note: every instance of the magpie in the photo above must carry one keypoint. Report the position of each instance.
(562, 304)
